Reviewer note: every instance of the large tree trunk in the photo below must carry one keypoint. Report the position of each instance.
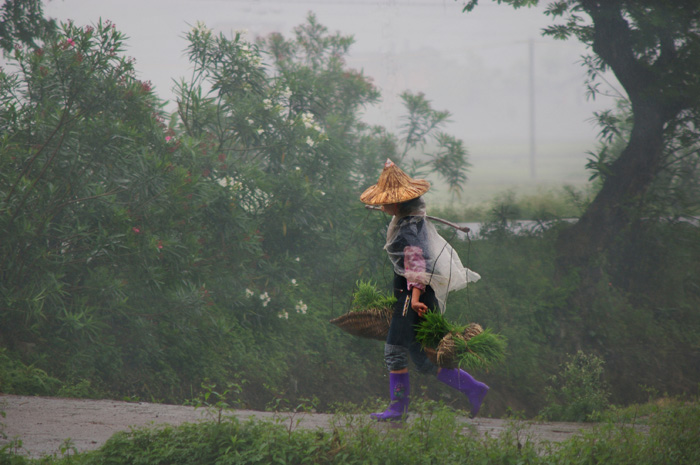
(632, 173)
(615, 206)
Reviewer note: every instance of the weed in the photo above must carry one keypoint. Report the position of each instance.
(216, 403)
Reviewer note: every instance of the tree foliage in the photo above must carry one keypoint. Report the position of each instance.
(152, 251)
(653, 49)
(22, 22)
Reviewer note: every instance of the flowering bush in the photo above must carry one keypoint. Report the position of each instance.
(153, 251)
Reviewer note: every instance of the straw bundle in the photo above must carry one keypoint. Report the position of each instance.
(446, 351)
(472, 330)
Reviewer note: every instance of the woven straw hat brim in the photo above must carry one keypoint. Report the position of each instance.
(394, 186)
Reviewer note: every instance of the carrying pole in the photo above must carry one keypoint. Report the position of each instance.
(464, 229)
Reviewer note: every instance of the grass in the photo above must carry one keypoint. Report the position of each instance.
(436, 436)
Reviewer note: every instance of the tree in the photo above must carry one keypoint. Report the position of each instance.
(23, 22)
(448, 158)
(653, 49)
(102, 219)
(144, 254)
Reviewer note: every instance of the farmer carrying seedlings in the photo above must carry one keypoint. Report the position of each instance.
(426, 268)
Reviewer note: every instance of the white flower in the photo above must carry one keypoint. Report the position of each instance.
(267, 103)
(260, 131)
(226, 181)
(301, 307)
(308, 119)
(201, 28)
(296, 168)
(309, 141)
(283, 314)
(286, 93)
(296, 259)
(249, 293)
(294, 282)
(265, 299)
(250, 121)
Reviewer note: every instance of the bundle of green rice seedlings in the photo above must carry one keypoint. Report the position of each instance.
(367, 296)
(481, 352)
(433, 328)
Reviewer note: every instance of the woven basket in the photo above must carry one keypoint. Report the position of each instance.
(372, 323)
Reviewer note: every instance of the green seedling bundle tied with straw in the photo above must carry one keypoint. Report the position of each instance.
(447, 344)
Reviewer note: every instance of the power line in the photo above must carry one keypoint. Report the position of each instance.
(350, 3)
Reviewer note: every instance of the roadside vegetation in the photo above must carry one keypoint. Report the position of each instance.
(666, 433)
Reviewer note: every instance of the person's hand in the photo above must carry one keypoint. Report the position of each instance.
(419, 307)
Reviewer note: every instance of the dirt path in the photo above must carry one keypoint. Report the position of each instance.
(44, 424)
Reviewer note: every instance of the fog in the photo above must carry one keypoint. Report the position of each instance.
(476, 65)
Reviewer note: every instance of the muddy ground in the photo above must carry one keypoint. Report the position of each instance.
(45, 425)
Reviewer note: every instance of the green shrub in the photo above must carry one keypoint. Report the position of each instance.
(578, 392)
(18, 378)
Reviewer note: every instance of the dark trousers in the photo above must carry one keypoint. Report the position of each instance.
(401, 340)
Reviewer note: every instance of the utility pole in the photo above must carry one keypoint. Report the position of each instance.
(531, 50)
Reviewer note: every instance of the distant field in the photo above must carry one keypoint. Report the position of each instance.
(501, 167)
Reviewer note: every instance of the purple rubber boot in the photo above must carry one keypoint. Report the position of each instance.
(467, 385)
(400, 391)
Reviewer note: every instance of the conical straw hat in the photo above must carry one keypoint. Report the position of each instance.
(394, 186)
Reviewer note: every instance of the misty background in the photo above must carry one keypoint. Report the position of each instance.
(517, 99)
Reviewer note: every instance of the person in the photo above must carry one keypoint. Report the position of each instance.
(426, 268)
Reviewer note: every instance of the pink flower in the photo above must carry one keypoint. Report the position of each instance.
(70, 42)
(136, 230)
(160, 244)
(167, 138)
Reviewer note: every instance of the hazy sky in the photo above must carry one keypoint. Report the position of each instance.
(474, 64)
